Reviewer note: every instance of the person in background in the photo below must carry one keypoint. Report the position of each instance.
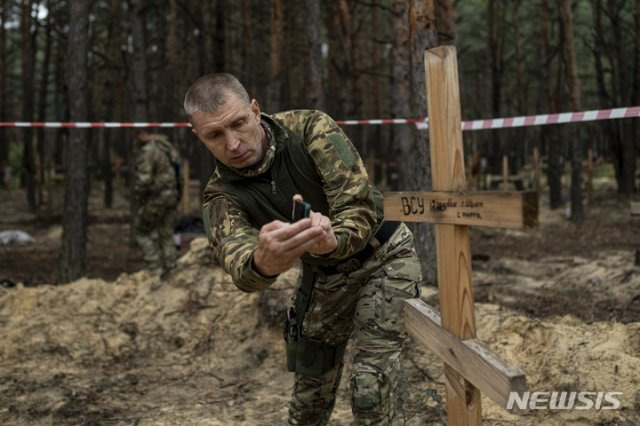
(157, 188)
(357, 268)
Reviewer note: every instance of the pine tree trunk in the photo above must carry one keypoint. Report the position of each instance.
(626, 184)
(446, 14)
(314, 92)
(219, 42)
(635, 98)
(636, 66)
(521, 148)
(28, 56)
(414, 32)
(61, 95)
(496, 64)
(138, 88)
(110, 99)
(4, 137)
(340, 53)
(107, 173)
(276, 42)
(247, 48)
(74, 220)
(400, 91)
(107, 136)
(347, 20)
(42, 103)
(575, 143)
(205, 163)
(379, 104)
(205, 55)
(551, 144)
(424, 36)
(173, 67)
(604, 98)
(138, 63)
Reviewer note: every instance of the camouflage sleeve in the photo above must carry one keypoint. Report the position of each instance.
(144, 172)
(346, 184)
(234, 240)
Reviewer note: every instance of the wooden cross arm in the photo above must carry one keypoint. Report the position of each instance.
(634, 208)
(470, 358)
(497, 209)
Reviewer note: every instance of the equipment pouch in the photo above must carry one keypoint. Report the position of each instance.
(309, 357)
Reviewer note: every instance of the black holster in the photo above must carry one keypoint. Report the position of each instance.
(306, 356)
(311, 357)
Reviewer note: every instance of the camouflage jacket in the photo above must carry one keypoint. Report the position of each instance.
(156, 177)
(338, 187)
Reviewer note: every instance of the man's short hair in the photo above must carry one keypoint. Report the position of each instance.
(210, 91)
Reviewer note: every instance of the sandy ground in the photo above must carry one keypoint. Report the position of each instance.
(561, 301)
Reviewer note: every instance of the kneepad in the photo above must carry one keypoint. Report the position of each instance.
(370, 391)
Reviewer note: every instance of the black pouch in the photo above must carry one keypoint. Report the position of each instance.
(311, 357)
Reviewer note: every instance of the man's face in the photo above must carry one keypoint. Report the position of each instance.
(232, 133)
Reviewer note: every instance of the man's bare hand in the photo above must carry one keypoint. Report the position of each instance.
(280, 245)
(326, 242)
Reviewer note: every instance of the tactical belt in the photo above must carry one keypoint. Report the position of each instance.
(356, 261)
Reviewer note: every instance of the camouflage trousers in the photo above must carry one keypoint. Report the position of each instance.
(364, 306)
(154, 235)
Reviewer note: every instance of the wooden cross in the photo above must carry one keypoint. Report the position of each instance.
(470, 366)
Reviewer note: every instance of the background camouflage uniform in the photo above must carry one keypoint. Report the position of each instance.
(156, 189)
(364, 305)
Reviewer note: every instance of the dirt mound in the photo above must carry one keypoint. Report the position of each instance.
(606, 287)
(195, 350)
(586, 269)
(184, 350)
(567, 355)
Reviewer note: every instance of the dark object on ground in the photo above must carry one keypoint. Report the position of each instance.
(187, 228)
(480, 257)
(189, 224)
(7, 283)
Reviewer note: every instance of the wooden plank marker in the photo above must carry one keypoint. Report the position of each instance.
(497, 209)
(470, 367)
(505, 173)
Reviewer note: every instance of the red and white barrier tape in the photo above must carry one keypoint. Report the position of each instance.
(543, 119)
(84, 125)
(495, 123)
